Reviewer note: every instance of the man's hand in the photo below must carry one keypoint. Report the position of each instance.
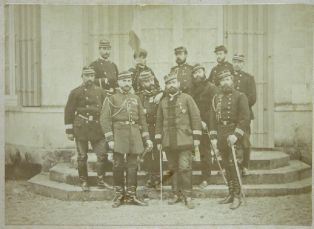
(159, 147)
(110, 157)
(158, 98)
(214, 143)
(204, 125)
(232, 139)
(149, 144)
(111, 145)
(70, 137)
(196, 143)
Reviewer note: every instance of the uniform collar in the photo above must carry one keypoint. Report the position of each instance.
(103, 59)
(171, 97)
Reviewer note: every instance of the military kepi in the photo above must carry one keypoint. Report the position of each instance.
(170, 77)
(239, 57)
(125, 75)
(180, 49)
(221, 48)
(223, 74)
(88, 70)
(197, 67)
(104, 44)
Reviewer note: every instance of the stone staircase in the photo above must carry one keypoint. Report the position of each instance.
(271, 173)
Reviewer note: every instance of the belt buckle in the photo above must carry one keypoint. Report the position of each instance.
(90, 118)
(127, 122)
(224, 123)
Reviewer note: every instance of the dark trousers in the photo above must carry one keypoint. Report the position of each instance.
(99, 147)
(246, 146)
(205, 157)
(128, 163)
(180, 166)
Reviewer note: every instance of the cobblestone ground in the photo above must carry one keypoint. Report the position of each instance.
(24, 207)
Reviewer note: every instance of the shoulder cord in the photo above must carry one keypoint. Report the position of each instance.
(125, 102)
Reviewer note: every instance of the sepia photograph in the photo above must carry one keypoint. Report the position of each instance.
(149, 114)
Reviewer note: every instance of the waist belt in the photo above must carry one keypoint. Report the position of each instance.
(126, 122)
(89, 118)
(226, 123)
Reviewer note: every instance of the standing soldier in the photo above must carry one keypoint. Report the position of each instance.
(230, 117)
(203, 92)
(140, 66)
(182, 70)
(106, 72)
(150, 97)
(122, 121)
(223, 64)
(81, 117)
(245, 83)
(178, 131)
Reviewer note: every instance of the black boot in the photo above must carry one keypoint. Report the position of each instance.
(237, 201)
(188, 200)
(119, 197)
(82, 170)
(228, 199)
(132, 199)
(176, 198)
(102, 184)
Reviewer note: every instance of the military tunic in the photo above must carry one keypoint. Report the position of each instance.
(106, 73)
(219, 68)
(123, 120)
(184, 75)
(82, 113)
(136, 73)
(245, 83)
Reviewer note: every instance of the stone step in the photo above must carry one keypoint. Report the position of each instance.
(41, 184)
(295, 170)
(265, 159)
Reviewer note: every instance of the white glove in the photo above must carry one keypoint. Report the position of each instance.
(158, 97)
(232, 139)
(70, 137)
(204, 126)
(111, 145)
(214, 143)
(149, 144)
(159, 147)
(196, 143)
(110, 157)
(197, 156)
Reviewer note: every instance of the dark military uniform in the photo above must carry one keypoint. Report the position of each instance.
(203, 93)
(245, 83)
(219, 68)
(229, 115)
(81, 117)
(123, 121)
(135, 77)
(178, 124)
(106, 72)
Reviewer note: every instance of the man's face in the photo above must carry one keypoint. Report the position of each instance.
(149, 84)
(238, 65)
(88, 79)
(227, 84)
(221, 55)
(125, 84)
(199, 75)
(180, 57)
(172, 86)
(104, 52)
(140, 60)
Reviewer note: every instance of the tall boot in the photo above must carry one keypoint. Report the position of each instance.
(82, 170)
(188, 199)
(229, 198)
(237, 200)
(119, 196)
(100, 167)
(132, 199)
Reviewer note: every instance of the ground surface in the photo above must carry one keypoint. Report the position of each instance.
(24, 207)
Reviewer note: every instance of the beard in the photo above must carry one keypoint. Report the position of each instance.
(126, 88)
(105, 55)
(220, 60)
(172, 90)
(88, 83)
(179, 61)
(150, 87)
(226, 89)
(198, 80)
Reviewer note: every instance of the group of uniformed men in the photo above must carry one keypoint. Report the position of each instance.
(126, 116)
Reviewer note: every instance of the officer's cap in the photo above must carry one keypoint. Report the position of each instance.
(88, 70)
(197, 67)
(180, 49)
(239, 57)
(145, 75)
(125, 75)
(221, 48)
(140, 53)
(104, 44)
(169, 77)
(223, 74)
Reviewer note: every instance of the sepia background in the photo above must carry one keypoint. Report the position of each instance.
(46, 47)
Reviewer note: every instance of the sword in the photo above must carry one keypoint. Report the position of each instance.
(161, 173)
(216, 158)
(140, 159)
(238, 171)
